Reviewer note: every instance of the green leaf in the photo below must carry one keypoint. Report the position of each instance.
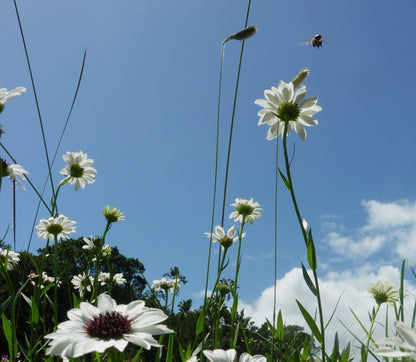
(7, 329)
(287, 183)
(5, 304)
(200, 323)
(34, 312)
(75, 300)
(311, 323)
(308, 281)
(310, 247)
(335, 350)
(280, 327)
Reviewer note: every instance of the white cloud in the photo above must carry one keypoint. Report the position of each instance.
(348, 286)
(389, 226)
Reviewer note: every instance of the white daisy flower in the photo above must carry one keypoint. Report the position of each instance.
(105, 278)
(165, 284)
(78, 170)
(91, 328)
(245, 357)
(46, 280)
(245, 209)
(6, 95)
(82, 282)
(58, 227)
(285, 104)
(383, 292)
(226, 240)
(91, 244)
(406, 347)
(113, 215)
(13, 172)
(219, 355)
(11, 256)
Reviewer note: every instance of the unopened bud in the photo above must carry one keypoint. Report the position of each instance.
(242, 34)
(297, 81)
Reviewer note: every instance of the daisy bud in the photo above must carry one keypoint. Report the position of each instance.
(243, 34)
(301, 76)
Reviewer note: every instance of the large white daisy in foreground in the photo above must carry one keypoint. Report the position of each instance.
(91, 328)
(219, 355)
(283, 103)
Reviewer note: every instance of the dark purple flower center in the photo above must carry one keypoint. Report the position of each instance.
(108, 325)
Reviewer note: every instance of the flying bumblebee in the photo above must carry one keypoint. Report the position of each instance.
(316, 41)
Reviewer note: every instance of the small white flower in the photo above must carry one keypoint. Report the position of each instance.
(105, 278)
(226, 240)
(91, 328)
(113, 215)
(13, 172)
(12, 258)
(192, 359)
(6, 95)
(219, 355)
(245, 357)
(58, 227)
(245, 209)
(78, 170)
(166, 284)
(383, 292)
(46, 280)
(92, 244)
(405, 347)
(284, 102)
(82, 282)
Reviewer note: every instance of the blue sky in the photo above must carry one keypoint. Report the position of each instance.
(146, 114)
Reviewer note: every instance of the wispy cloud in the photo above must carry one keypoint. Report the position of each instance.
(388, 225)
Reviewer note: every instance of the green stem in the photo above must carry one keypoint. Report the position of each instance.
(373, 319)
(55, 284)
(292, 193)
(27, 179)
(235, 286)
(275, 251)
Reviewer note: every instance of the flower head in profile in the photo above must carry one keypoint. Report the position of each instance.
(166, 284)
(45, 280)
(112, 215)
(6, 95)
(405, 346)
(245, 357)
(219, 355)
(284, 104)
(55, 227)
(225, 239)
(92, 244)
(82, 282)
(13, 172)
(383, 292)
(246, 210)
(192, 359)
(78, 170)
(105, 278)
(97, 328)
(11, 256)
